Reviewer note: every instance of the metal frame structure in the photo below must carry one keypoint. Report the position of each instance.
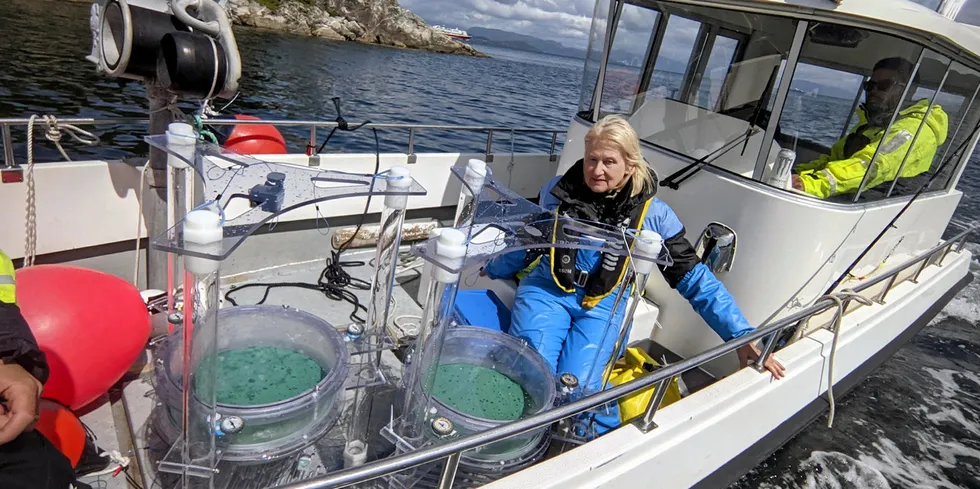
(661, 378)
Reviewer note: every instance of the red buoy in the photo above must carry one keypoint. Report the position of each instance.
(63, 429)
(91, 326)
(255, 139)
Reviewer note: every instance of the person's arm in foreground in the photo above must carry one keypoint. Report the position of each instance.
(23, 371)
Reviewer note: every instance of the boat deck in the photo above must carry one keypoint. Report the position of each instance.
(124, 419)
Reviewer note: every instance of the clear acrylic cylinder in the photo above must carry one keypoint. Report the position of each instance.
(425, 359)
(181, 198)
(473, 181)
(194, 456)
(368, 361)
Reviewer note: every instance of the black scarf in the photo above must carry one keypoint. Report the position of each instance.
(617, 209)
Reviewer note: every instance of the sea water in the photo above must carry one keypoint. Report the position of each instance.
(480, 391)
(263, 375)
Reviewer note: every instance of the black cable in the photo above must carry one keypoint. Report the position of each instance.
(334, 281)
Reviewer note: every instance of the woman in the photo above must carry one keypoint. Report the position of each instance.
(562, 311)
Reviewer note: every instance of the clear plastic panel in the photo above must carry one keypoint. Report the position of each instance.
(194, 455)
(264, 189)
(504, 222)
(270, 425)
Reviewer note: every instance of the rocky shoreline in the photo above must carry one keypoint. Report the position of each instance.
(382, 22)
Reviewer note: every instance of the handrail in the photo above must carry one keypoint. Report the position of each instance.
(434, 453)
(6, 123)
(288, 123)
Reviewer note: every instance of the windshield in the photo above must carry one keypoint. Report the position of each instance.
(724, 87)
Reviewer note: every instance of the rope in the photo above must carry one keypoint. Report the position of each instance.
(839, 299)
(54, 134)
(30, 221)
(139, 226)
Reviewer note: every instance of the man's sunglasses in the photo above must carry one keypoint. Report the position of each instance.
(883, 85)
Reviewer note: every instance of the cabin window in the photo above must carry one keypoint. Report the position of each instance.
(852, 149)
(593, 56)
(720, 58)
(709, 83)
(624, 69)
(963, 112)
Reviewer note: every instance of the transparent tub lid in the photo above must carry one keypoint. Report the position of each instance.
(269, 189)
(504, 222)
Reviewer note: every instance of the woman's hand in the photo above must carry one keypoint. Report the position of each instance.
(21, 393)
(751, 353)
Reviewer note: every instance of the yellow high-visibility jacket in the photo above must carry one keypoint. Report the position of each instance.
(7, 291)
(835, 174)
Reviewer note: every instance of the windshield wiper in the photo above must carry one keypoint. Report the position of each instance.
(674, 180)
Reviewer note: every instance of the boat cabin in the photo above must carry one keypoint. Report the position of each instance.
(717, 89)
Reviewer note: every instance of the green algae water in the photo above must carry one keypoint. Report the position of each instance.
(264, 374)
(480, 391)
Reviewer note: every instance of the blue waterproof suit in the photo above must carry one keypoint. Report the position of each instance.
(569, 335)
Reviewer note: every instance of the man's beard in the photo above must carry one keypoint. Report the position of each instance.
(878, 113)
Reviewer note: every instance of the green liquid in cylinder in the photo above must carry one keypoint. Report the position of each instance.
(263, 375)
(480, 391)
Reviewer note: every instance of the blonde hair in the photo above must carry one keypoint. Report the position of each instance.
(615, 129)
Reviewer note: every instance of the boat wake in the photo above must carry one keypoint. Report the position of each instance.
(914, 423)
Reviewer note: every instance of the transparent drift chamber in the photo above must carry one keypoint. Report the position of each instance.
(241, 194)
(273, 424)
(493, 220)
(264, 190)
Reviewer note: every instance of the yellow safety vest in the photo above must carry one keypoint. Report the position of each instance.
(7, 291)
(836, 174)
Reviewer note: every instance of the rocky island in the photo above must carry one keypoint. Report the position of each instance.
(382, 22)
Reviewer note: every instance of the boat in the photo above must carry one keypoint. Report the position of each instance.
(834, 286)
(452, 32)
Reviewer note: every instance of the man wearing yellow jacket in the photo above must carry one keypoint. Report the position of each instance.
(842, 171)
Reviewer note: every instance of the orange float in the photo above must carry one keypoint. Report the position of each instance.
(63, 429)
(255, 139)
(90, 325)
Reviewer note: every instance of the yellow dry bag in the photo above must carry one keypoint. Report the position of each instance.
(634, 364)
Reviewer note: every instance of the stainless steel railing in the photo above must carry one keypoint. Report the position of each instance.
(413, 129)
(451, 450)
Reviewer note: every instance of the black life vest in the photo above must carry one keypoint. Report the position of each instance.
(619, 209)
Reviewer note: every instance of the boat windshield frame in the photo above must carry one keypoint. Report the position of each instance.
(608, 15)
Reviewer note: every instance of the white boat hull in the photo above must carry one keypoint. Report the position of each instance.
(712, 437)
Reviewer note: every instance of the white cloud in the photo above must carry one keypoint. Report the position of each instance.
(567, 22)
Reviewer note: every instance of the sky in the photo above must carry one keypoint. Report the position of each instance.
(564, 21)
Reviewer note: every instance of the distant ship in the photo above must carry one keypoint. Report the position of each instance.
(452, 32)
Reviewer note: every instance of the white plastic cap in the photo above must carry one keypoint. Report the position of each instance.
(450, 248)
(399, 179)
(476, 166)
(355, 454)
(181, 129)
(202, 233)
(202, 226)
(450, 240)
(475, 176)
(181, 140)
(647, 244)
(399, 176)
